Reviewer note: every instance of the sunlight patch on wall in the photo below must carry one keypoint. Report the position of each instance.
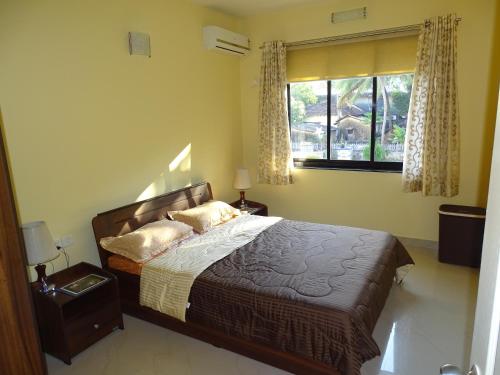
(182, 161)
(148, 192)
(177, 175)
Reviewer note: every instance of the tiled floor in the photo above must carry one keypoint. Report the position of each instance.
(425, 323)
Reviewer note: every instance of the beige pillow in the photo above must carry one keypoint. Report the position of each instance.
(206, 216)
(148, 241)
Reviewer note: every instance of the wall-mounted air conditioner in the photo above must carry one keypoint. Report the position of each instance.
(218, 39)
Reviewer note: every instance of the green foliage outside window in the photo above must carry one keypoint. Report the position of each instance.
(302, 95)
(398, 134)
(380, 152)
(400, 102)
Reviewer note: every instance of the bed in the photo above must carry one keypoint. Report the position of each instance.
(302, 297)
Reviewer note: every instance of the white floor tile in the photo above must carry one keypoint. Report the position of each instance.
(426, 322)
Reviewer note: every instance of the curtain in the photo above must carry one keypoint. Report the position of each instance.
(432, 148)
(275, 152)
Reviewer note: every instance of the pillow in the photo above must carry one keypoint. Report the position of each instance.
(206, 216)
(148, 241)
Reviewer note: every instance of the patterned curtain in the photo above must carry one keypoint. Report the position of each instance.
(275, 152)
(432, 148)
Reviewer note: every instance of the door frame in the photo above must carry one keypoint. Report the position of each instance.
(487, 318)
(20, 349)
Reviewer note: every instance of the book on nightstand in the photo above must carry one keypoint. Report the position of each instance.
(84, 284)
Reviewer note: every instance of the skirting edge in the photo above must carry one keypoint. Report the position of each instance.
(415, 242)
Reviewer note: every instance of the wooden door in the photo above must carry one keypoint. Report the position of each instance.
(20, 350)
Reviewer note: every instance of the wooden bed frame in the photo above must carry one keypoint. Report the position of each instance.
(128, 218)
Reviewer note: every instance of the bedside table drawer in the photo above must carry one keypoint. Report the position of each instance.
(83, 332)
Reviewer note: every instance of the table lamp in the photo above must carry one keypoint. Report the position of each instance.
(40, 249)
(242, 183)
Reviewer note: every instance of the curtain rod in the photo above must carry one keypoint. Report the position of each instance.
(408, 30)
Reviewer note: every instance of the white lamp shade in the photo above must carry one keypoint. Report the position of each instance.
(40, 246)
(242, 179)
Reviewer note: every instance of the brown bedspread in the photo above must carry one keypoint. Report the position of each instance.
(314, 290)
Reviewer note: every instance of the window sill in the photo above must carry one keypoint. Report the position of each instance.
(356, 166)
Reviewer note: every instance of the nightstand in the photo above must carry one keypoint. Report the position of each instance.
(254, 208)
(69, 324)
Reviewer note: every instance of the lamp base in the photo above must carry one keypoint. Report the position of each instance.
(42, 279)
(40, 271)
(243, 203)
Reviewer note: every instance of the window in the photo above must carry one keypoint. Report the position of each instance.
(353, 123)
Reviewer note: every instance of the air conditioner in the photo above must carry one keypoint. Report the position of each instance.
(218, 39)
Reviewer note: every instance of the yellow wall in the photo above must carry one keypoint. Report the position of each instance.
(90, 128)
(375, 200)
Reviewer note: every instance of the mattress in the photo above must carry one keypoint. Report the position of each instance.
(121, 263)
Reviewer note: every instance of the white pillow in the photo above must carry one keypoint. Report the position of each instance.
(206, 216)
(148, 241)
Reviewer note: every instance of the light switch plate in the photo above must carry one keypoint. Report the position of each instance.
(139, 44)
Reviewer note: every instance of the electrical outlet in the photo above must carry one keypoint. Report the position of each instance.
(64, 241)
(57, 242)
(67, 241)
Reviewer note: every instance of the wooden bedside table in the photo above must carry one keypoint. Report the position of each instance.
(254, 208)
(69, 324)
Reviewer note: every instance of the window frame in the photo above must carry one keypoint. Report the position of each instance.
(355, 165)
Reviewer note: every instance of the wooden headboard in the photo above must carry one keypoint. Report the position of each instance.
(125, 219)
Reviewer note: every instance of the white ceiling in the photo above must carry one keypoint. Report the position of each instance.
(249, 7)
